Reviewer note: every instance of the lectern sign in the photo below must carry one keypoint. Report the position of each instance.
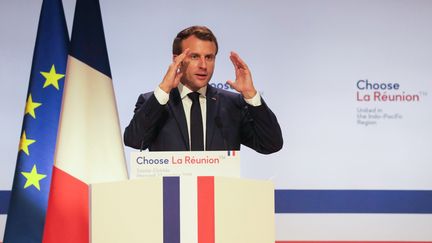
(185, 163)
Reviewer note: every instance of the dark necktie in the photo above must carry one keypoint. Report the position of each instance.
(196, 126)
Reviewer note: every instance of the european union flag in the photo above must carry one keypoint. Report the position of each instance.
(31, 185)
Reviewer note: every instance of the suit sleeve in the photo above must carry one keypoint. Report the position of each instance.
(146, 123)
(260, 130)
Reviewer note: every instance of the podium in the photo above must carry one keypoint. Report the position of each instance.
(203, 209)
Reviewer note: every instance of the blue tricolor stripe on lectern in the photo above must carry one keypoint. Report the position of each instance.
(171, 210)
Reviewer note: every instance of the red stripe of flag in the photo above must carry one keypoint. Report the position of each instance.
(206, 210)
(67, 218)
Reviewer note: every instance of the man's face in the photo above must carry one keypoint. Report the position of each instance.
(198, 66)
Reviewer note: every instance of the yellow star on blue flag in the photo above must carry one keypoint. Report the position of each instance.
(24, 143)
(31, 106)
(52, 77)
(33, 178)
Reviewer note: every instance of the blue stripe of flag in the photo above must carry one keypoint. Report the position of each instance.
(88, 39)
(171, 209)
(354, 201)
(4, 201)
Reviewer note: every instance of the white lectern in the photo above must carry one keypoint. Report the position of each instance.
(183, 210)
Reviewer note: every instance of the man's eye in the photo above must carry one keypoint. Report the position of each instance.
(194, 57)
(210, 58)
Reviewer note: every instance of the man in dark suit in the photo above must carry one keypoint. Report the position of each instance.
(186, 113)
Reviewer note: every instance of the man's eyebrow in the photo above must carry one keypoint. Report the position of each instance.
(194, 54)
(205, 55)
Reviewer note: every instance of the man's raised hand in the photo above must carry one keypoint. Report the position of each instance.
(243, 82)
(174, 73)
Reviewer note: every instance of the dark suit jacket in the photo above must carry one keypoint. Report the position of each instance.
(230, 122)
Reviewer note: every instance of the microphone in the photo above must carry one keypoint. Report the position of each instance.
(142, 145)
(219, 125)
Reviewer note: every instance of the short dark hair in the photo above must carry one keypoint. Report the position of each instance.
(201, 32)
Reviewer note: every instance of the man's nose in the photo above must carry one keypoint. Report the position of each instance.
(202, 63)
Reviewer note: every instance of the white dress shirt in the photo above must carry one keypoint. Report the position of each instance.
(163, 97)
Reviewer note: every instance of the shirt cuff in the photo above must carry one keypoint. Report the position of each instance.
(161, 96)
(254, 101)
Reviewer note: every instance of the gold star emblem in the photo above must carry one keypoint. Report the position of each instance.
(24, 143)
(31, 106)
(52, 77)
(33, 178)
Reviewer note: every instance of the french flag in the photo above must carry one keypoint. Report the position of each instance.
(89, 146)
